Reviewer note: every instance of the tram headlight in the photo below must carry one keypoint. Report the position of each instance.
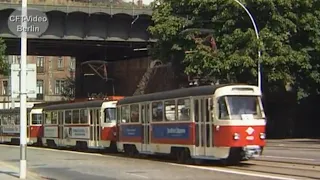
(236, 136)
(262, 136)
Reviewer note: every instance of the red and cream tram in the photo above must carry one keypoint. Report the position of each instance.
(90, 124)
(10, 125)
(221, 122)
(206, 122)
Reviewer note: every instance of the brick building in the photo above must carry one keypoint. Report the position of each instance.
(52, 72)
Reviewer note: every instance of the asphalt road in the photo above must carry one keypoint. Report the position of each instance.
(64, 165)
(293, 151)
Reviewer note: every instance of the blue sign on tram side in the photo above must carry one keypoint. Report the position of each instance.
(176, 131)
(131, 130)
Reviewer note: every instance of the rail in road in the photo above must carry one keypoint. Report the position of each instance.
(293, 170)
(80, 3)
(261, 168)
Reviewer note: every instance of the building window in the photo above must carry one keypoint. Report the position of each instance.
(13, 59)
(59, 87)
(5, 88)
(60, 63)
(39, 89)
(39, 86)
(40, 64)
(72, 65)
(40, 61)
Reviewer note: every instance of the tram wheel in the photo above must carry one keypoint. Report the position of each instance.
(183, 156)
(130, 150)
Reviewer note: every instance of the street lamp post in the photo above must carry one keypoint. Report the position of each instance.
(257, 34)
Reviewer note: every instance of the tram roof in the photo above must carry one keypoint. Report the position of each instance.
(42, 105)
(177, 93)
(74, 105)
(15, 110)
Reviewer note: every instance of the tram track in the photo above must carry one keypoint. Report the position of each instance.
(288, 161)
(301, 171)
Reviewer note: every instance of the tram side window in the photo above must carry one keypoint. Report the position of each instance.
(83, 116)
(54, 118)
(4, 119)
(68, 116)
(60, 117)
(157, 111)
(170, 110)
(134, 113)
(147, 113)
(48, 118)
(17, 119)
(184, 109)
(37, 119)
(223, 111)
(125, 114)
(75, 117)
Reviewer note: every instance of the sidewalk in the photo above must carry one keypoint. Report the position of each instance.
(294, 143)
(10, 172)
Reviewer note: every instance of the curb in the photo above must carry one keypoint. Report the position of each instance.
(30, 175)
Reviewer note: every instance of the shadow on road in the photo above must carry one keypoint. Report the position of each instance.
(13, 174)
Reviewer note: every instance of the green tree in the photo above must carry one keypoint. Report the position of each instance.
(289, 40)
(68, 90)
(4, 66)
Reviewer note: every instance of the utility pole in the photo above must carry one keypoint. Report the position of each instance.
(23, 94)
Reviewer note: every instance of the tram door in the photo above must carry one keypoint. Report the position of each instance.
(145, 120)
(95, 126)
(203, 126)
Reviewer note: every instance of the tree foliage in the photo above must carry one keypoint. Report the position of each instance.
(4, 66)
(289, 40)
(68, 90)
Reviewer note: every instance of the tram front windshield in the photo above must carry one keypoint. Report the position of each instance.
(110, 115)
(240, 107)
(36, 119)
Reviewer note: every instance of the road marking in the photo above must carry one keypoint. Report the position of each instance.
(138, 175)
(293, 158)
(216, 169)
(34, 175)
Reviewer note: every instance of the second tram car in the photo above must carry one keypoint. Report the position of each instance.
(224, 122)
(90, 124)
(10, 125)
